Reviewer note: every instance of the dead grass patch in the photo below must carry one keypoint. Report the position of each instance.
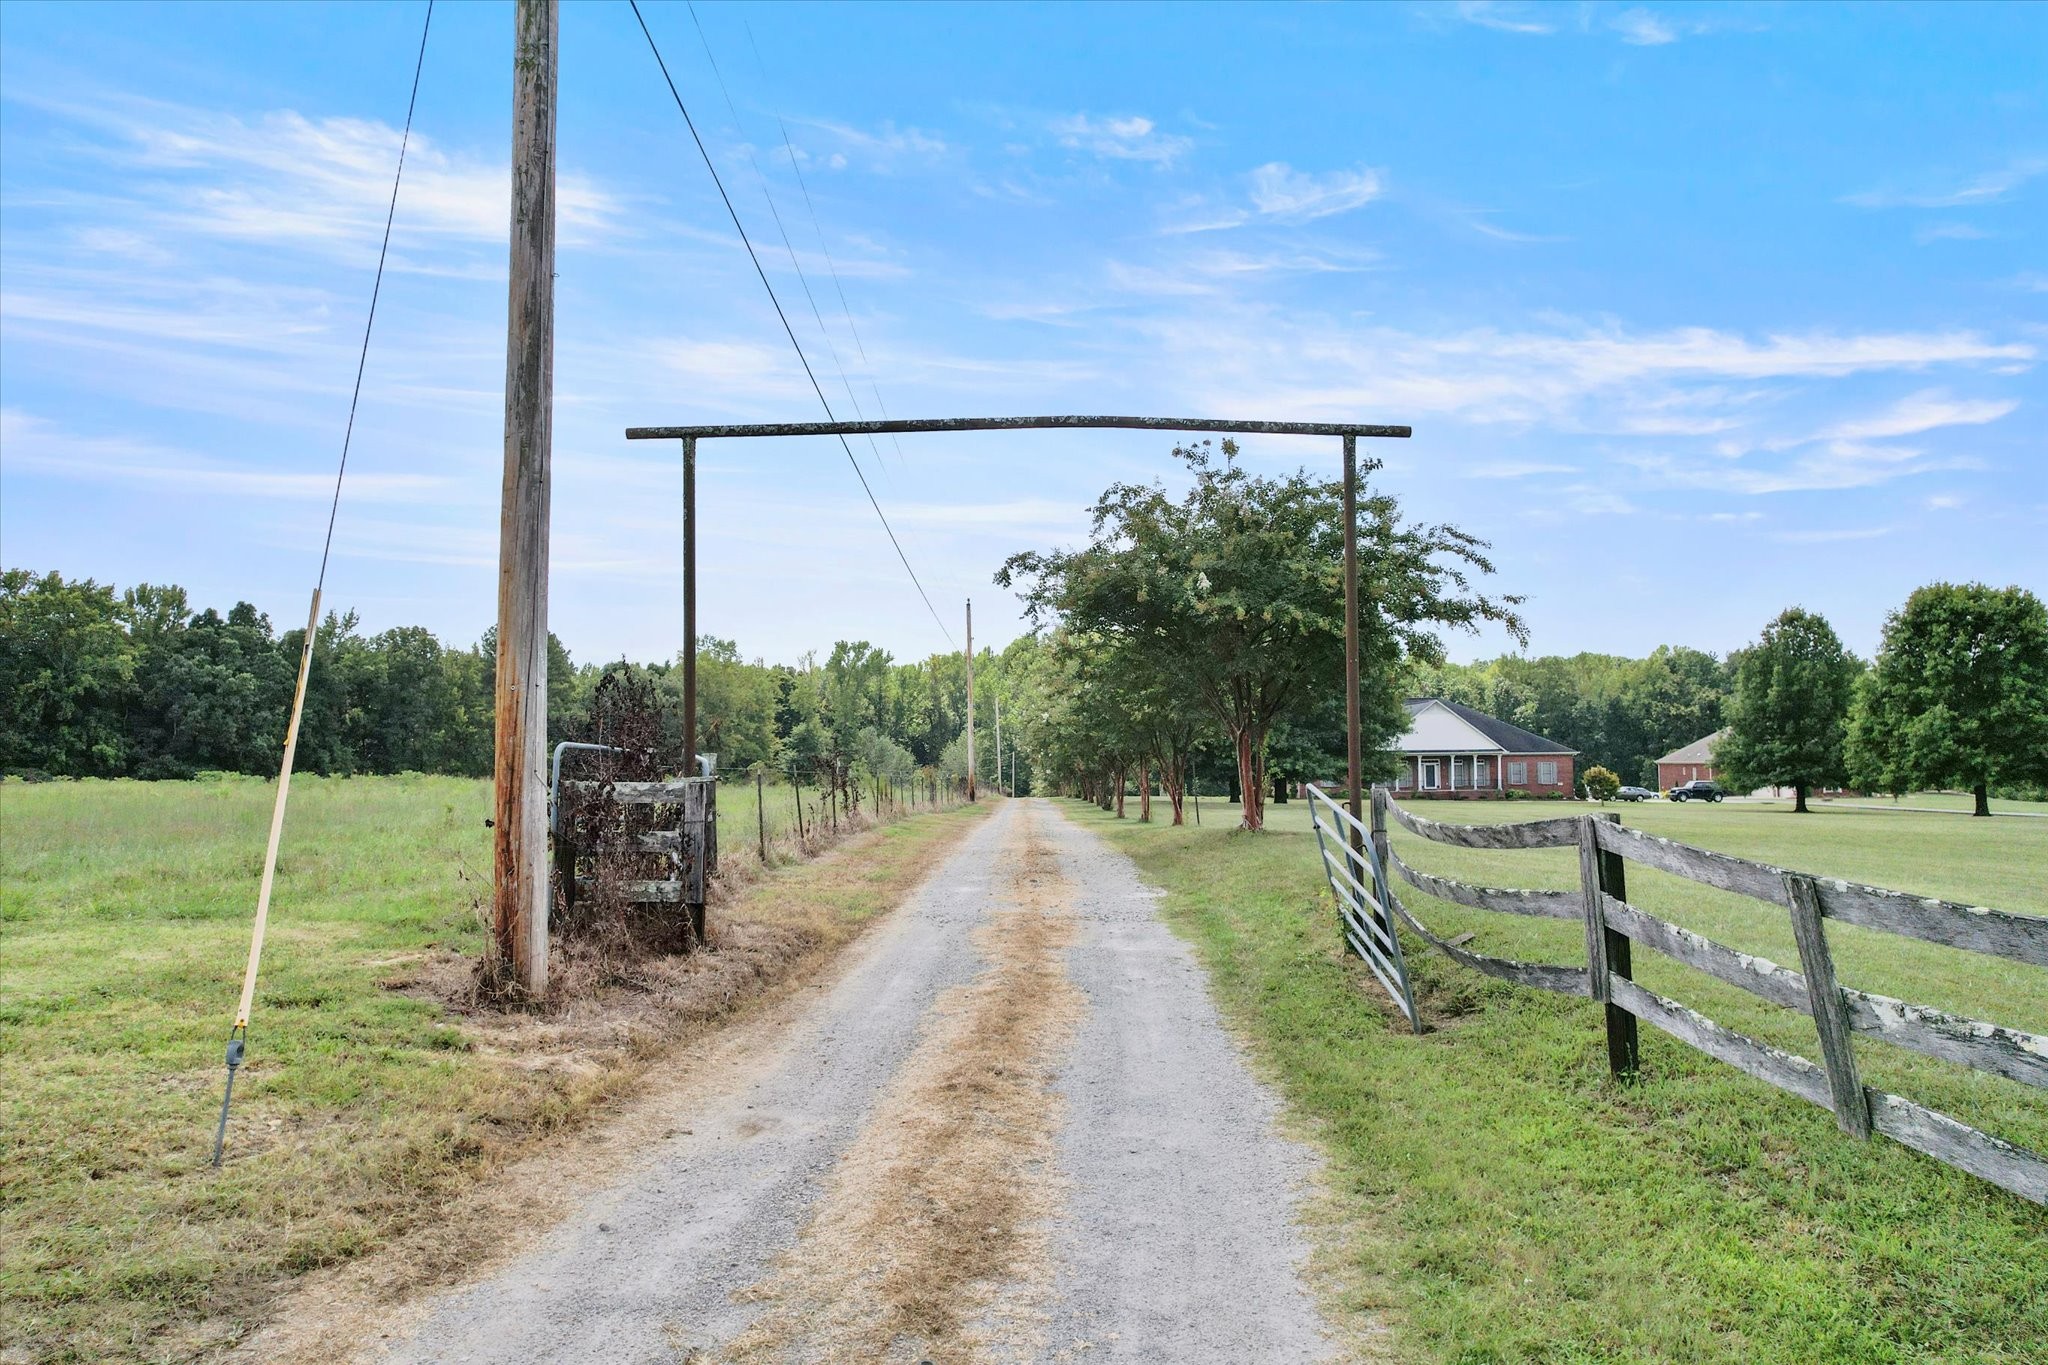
(932, 1240)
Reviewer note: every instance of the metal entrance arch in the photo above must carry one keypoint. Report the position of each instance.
(1348, 432)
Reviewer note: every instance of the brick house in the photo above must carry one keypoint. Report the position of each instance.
(1695, 760)
(1455, 751)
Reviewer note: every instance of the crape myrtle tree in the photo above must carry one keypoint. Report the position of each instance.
(1790, 717)
(1958, 696)
(1234, 591)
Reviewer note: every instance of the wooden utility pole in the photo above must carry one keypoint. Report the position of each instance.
(1353, 759)
(999, 743)
(970, 699)
(519, 902)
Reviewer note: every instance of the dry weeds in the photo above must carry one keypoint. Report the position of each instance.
(585, 1061)
(932, 1241)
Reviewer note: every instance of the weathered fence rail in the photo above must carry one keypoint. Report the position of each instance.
(1840, 1013)
(690, 846)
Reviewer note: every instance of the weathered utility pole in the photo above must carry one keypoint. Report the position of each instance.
(999, 743)
(519, 906)
(1353, 758)
(970, 699)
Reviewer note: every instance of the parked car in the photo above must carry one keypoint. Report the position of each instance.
(1634, 794)
(1699, 789)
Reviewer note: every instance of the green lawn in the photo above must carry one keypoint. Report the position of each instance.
(1500, 1199)
(124, 923)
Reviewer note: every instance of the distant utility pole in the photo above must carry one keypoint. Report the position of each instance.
(999, 743)
(519, 904)
(970, 699)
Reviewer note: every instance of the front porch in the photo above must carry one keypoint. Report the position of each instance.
(1452, 776)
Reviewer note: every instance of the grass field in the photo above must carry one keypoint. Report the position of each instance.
(124, 918)
(1499, 1199)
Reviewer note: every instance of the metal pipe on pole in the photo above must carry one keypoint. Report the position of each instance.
(970, 699)
(1353, 755)
(689, 606)
(519, 904)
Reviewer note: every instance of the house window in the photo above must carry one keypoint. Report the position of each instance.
(1518, 773)
(1546, 774)
(1403, 779)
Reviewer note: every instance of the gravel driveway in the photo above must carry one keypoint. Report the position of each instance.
(1013, 1129)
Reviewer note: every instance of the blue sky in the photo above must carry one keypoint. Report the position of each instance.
(1698, 312)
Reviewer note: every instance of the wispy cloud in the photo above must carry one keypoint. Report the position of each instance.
(1831, 536)
(1508, 18)
(1988, 187)
(1279, 191)
(1918, 412)
(1949, 232)
(37, 446)
(317, 184)
(1518, 469)
(1643, 28)
(1129, 138)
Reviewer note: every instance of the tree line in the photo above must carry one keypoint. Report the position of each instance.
(1206, 631)
(100, 682)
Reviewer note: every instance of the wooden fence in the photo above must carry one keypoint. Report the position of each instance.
(1613, 926)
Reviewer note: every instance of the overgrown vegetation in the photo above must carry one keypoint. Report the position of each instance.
(373, 1095)
(1495, 1197)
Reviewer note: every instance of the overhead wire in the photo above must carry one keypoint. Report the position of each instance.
(824, 247)
(783, 317)
(238, 1034)
(775, 213)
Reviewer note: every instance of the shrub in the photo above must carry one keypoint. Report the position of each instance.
(1602, 783)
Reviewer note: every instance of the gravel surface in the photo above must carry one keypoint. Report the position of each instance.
(1177, 1241)
(1180, 1242)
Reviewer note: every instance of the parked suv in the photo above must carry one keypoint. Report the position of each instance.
(1699, 789)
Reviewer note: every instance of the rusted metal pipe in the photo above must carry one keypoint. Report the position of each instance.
(903, 425)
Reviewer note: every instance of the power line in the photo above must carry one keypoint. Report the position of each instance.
(783, 317)
(775, 213)
(362, 359)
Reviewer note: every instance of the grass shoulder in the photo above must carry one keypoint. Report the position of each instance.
(371, 1099)
(1499, 1199)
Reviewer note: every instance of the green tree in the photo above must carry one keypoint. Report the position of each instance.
(1602, 783)
(67, 676)
(1958, 696)
(1789, 720)
(1236, 590)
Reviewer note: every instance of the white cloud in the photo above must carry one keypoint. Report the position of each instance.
(1518, 469)
(1831, 536)
(285, 179)
(1986, 188)
(886, 148)
(1131, 138)
(37, 446)
(1279, 191)
(1918, 412)
(1508, 18)
(1642, 28)
(1949, 232)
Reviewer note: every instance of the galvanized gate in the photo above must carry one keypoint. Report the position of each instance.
(1358, 880)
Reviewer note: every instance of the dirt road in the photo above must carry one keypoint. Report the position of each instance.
(1012, 1129)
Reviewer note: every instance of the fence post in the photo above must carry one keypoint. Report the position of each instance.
(761, 811)
(1379, 853)
(1607, 950)
(1830, 1010)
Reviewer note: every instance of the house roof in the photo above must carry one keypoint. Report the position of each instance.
(1699, 751)
(1508, 739)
